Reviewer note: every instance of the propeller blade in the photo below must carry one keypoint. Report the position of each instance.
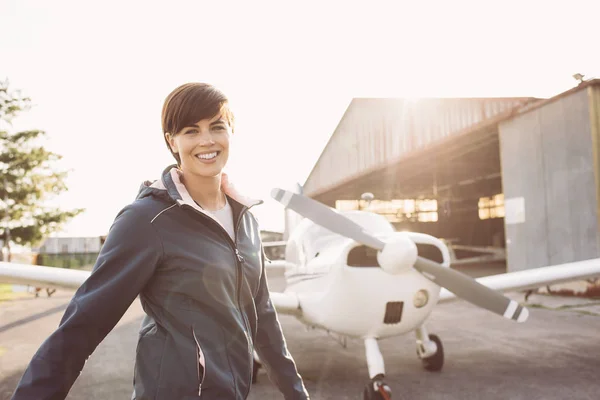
(322, 215)
(460, 284)
(472, 291)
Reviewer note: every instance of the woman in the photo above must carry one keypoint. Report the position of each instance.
(190, 248)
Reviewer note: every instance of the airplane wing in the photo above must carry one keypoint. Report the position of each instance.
(63, 278)
(537, 277)
(39, 276)
(50, 277)
(279, 243)
(276, 264)
(286, 303)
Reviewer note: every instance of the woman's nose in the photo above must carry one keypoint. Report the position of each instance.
(205, 139)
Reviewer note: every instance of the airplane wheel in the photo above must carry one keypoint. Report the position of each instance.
(435, 362)
(377, 390)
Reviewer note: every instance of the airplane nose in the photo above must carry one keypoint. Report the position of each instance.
(398, 255)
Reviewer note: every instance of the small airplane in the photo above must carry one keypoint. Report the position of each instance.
(352, 274)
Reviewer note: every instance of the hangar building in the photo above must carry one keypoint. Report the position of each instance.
(519, 173)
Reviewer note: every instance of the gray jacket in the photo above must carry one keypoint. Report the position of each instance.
(205, 297)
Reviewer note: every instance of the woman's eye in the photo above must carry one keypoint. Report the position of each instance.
(220, 127)
(191, 131)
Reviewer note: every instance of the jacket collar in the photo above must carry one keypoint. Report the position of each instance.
(171, 182)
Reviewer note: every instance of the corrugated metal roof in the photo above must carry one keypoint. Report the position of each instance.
(374, 133)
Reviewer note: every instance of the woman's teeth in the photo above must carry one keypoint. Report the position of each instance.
(207, 156)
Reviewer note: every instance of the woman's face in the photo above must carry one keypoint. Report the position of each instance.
(202, 148)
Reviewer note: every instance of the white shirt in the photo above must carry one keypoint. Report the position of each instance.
(225, 217)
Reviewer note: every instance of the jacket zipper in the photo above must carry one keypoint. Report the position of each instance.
(239, 274)
(199, 361)
(246, 323)
(239, 290)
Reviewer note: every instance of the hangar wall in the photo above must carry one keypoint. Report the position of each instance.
(549, 162)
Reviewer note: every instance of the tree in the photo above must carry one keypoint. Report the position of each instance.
(27, 178)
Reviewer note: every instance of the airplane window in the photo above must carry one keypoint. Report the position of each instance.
(362, 256)
(430, 252)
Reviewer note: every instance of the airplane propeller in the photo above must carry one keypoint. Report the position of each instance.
(400, 252)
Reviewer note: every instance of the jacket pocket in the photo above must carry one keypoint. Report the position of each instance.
(149, 354)
(200, 362)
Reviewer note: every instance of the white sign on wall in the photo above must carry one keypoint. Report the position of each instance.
(514, 210)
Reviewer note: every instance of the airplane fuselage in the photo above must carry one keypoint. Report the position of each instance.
(342, 289)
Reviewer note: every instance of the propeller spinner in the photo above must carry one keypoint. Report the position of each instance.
(398, 254)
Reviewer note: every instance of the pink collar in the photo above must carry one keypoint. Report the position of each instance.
(227, 187)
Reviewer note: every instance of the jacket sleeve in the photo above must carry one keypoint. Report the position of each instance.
(126, 262)
(272, 348)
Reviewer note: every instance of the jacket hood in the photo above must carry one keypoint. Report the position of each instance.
(170, 187)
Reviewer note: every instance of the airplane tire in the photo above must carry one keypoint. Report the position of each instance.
(435, 362)
(371, 394)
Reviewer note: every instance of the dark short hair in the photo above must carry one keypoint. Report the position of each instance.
(190, 103)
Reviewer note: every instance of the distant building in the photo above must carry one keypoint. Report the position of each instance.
(271, 236)
(71, 245)
(274, 252)
(70, 252)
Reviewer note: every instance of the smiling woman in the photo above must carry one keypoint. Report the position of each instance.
(190, 248)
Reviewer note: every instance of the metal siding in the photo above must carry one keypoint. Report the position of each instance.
(522, 176)
(400, 126)
(582, 180)
(594, 107)
(556, 172)
(571, 190)
(547, 158)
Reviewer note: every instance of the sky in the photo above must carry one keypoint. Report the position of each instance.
(98, 74)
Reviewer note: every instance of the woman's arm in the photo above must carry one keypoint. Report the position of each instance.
(272, 349)
(126, 262)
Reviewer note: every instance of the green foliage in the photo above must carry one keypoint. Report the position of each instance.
(28, 177)
(73, 261)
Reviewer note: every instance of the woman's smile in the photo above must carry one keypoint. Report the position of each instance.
(208, 158)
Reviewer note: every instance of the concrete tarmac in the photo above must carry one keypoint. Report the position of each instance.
(555, 355)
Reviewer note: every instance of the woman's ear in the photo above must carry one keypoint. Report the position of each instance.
(172, 145)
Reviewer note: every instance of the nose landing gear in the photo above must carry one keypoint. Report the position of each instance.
(376, 389)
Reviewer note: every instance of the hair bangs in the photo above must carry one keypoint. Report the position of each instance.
(196, 108)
